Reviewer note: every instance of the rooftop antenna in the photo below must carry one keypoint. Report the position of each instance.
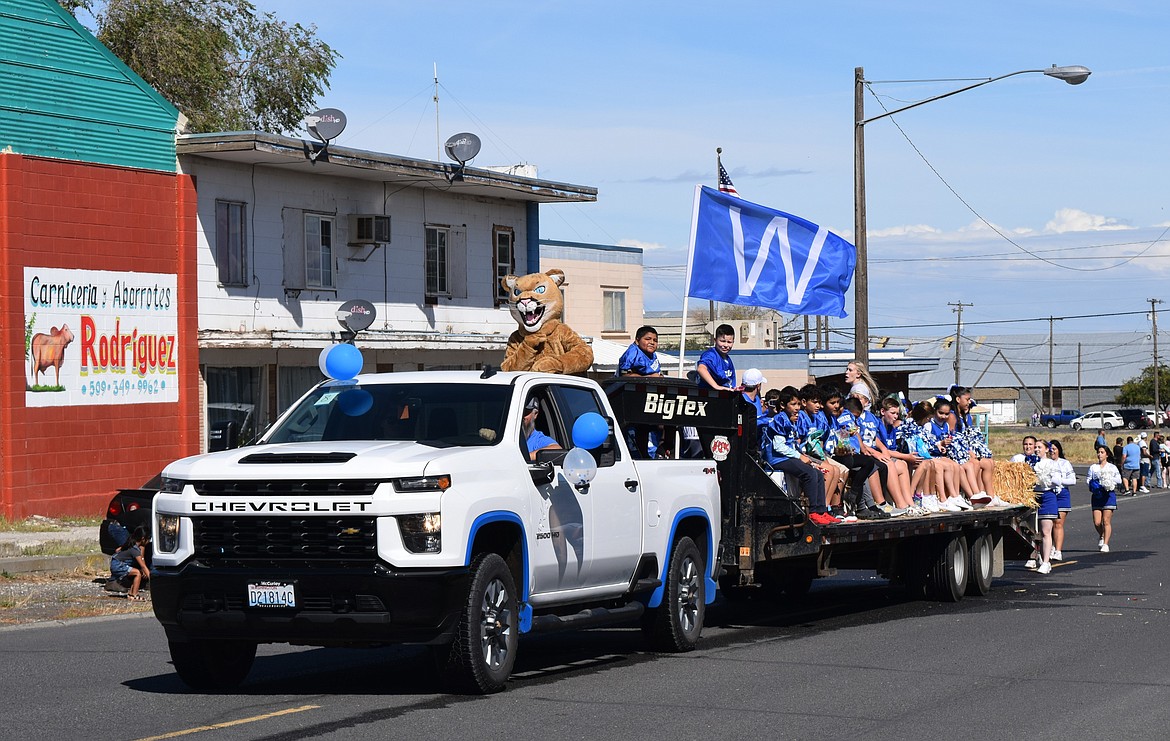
(438, 147)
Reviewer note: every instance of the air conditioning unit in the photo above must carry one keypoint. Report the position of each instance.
(369, 229)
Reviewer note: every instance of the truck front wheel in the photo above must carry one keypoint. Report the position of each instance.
(212, 666)
(675, 625)
(481, 657)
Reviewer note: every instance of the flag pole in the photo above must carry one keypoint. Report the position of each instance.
(682, 342)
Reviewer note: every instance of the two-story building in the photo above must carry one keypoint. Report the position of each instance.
(287, 233)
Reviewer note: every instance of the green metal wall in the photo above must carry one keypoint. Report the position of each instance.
(65, 95)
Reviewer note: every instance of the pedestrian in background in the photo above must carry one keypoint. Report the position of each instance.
(1144, 465)
(1155, 479)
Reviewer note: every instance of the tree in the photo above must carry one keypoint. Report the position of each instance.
(223, 64)
(1140, 390)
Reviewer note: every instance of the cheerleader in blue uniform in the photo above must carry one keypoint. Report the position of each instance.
(954, 448)
(1065, 477)
(1047, 512)
(974, 444)
(1104, 478)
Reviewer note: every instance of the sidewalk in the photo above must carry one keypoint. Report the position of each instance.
(15, 547)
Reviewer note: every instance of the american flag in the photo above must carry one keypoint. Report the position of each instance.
(725, 184)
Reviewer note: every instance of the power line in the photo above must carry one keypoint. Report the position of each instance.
(1011, 321)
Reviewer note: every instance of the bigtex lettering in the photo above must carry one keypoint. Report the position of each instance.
(667, 408)
(278, 506)
(139, 353)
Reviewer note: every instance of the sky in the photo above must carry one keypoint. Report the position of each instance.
(1025, 198)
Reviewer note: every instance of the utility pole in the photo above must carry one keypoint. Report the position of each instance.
(1080, 402)
(1050, 389)
(958, 309)
(438, 147)
(1154, 317)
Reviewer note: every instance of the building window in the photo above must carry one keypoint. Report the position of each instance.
(318, 251)
(436, 261)
(614, 306)
(504, 239)
(231, 243)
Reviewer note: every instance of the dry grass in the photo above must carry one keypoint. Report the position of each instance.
(1078, 445)
(42, 524)
(50, 548)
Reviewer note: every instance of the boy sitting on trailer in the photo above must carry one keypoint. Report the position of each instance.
(780, 449)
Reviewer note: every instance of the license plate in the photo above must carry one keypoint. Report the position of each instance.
(272, 594)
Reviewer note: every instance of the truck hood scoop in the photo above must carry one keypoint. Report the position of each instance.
(303, 457)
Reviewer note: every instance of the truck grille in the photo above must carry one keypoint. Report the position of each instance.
(278, 538)
(322, 487)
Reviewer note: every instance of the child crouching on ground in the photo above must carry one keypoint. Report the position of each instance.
(130, 561)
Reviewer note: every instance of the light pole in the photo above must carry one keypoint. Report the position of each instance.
(1073, 75)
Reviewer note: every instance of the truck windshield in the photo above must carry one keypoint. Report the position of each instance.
(442, 415)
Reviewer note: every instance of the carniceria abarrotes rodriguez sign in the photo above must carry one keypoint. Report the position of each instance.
(100, 337)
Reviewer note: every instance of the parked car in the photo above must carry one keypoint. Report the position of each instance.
(1135, 419)
(1098, 421)
(1156, 418)
(1064, 417)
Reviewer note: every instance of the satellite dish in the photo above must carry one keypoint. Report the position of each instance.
(462, 147)
(356, 315)
(326, 124)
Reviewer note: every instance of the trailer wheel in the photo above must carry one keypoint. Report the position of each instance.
(675, 625)
(481, 657)
(947, 578)
(979, 562)
(212, 666)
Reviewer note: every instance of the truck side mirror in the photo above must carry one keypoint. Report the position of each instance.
(541, 473)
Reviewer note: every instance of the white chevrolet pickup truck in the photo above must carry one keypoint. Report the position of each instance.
(407, 508)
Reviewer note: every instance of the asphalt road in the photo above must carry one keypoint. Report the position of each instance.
(1083, 653)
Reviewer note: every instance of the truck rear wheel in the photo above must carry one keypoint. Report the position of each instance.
(947, 578)
(675, 625)
(979, 562)
(481, 657)
(1052, 424)
(212, 666)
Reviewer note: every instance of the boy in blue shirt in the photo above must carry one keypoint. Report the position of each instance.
(640, 358)
(715, 366)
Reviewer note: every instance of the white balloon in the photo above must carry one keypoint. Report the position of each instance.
(579, 466)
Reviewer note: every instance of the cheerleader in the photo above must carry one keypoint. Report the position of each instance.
(1104, 478)
(983, 468)
(953, 447)
(1046, 512)
(1065, 477)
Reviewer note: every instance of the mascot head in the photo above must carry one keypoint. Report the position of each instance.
(535, 298)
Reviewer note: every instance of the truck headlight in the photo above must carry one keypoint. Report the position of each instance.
(168, 533)
(172, 486)
(441, 482)
(421, 533)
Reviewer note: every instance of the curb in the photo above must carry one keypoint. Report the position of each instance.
(41, 564)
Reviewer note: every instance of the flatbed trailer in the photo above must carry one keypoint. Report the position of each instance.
(768, 541)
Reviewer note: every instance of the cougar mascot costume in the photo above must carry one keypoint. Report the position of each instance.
(542, 342)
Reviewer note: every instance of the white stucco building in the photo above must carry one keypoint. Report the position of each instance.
(285, 238)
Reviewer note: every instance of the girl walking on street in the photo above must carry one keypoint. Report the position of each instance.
(1104, 478)
(1065, 477)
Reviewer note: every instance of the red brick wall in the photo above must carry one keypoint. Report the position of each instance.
(57, 214)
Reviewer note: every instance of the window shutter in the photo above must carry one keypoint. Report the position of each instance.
(457, 262)
(294, 248)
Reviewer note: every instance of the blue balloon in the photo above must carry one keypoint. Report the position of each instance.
(590, 431)
(355, 402)
(342, 362)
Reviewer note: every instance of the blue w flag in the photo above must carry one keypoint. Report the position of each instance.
(744, 253)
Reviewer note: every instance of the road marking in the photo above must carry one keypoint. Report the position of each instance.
(230, 723)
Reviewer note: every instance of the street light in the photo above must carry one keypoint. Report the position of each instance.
(1073, 75)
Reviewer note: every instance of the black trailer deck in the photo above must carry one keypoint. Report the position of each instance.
(767, 538)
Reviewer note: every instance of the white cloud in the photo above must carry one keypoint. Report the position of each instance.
(1075, 220)
(646, 246)
(908, 230)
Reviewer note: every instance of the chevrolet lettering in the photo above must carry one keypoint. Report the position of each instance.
(244, 507)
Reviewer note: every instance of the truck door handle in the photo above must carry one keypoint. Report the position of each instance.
(632, 484)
